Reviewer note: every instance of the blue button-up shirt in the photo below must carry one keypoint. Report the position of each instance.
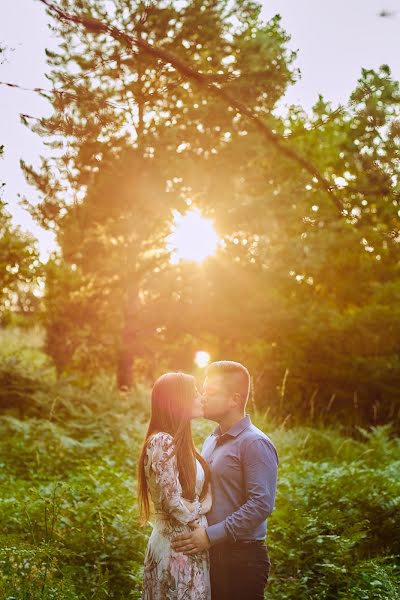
(244, 467)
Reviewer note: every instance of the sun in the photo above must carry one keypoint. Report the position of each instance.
(202, 359)
(193, 237)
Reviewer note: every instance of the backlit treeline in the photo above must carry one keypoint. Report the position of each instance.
(305, 289)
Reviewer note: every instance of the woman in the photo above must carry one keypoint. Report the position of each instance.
(176, 477)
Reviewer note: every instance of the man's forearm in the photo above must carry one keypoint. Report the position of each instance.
(245, 519)
(217, 533)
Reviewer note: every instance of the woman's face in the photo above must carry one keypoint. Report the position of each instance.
(197, 408)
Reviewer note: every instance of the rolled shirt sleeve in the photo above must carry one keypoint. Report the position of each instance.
(260, 472)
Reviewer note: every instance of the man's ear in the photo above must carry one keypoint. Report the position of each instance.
(237, 399)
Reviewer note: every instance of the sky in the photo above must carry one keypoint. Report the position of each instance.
(335, 39)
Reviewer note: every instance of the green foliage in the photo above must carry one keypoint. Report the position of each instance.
(79, 536)
(332, 534)
(317, 308)
(68, 510)
(24, 370)
(331, 517)
(68, 514)
(19, 264)
(19, 267)
(109, 292)
(305, 289)
(23, 344)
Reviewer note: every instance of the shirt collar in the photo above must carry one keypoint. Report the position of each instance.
(235, 429)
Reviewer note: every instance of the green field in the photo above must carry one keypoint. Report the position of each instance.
(68, 514)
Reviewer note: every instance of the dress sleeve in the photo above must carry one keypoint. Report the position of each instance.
(167, 480)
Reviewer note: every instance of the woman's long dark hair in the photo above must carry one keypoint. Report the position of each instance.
(172, 400)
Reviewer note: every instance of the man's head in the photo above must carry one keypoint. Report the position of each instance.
(226, 390)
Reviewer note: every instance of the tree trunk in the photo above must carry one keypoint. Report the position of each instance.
(128, 339)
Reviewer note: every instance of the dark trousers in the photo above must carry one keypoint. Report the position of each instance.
(239, 571)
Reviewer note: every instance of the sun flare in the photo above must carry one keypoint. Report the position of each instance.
(193, 237)
(202, 359)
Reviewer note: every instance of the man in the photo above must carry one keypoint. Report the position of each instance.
(243, 462)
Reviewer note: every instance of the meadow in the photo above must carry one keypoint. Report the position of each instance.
(68, 515)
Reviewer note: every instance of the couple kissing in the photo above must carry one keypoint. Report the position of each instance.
(210, 508)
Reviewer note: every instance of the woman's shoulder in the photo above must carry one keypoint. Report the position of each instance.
(160, 439)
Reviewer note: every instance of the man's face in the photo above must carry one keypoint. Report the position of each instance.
(217, 401)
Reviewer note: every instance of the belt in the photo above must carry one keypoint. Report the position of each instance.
(254, 542)
(257, 542)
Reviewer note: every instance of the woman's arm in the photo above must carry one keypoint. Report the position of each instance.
(167, 480)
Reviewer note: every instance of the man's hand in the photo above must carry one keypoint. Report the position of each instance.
(190, 543)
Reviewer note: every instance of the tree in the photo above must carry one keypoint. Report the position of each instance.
(19, 262)
(281, 295)
(325, 292)
(19, 268)
(165, 127)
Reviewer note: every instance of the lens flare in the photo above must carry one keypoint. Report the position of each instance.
(193, 237)
(202, 359)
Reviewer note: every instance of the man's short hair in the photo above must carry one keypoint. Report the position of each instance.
(235, 376)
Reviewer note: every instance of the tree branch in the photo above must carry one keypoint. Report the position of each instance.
(95, 26)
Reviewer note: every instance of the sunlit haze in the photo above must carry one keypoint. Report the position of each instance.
(193, 237)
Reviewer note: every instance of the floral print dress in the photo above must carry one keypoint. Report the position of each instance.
(170, 575)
